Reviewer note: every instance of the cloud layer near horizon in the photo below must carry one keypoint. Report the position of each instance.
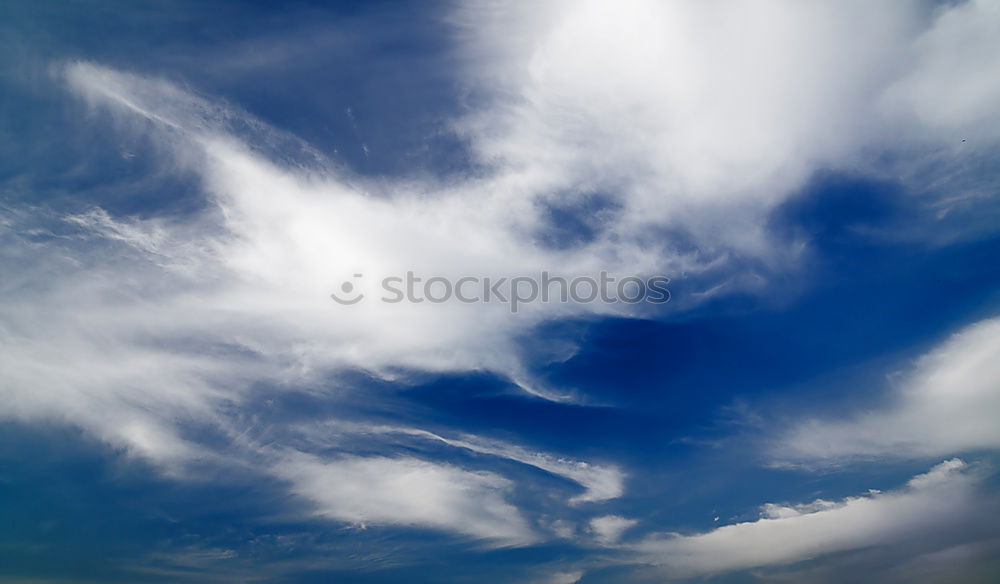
(930, 503)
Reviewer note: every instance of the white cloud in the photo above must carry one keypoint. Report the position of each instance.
(930, 502)
(279, 240)
(704, 116)
(571, 577)
(955, 75)
(601, 483)
(948, 404)
(408, 491)
(608, 529)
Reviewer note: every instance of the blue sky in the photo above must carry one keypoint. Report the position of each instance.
(183, 185)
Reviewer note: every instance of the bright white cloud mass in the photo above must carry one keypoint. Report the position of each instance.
(668, 135)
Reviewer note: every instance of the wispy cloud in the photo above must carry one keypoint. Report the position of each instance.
(608, 529)
(949, 403)
(929, 503)
(408, 492)
(601, 482)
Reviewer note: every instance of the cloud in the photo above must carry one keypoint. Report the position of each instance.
(279, 239)
(929, 503)
(563, 578)
(601, 483)
(408, 491)
(608, 529)
(953, 80)
(136, 352)
(701, 117)
(949, 403)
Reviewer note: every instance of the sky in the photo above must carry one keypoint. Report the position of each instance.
(205, 377)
